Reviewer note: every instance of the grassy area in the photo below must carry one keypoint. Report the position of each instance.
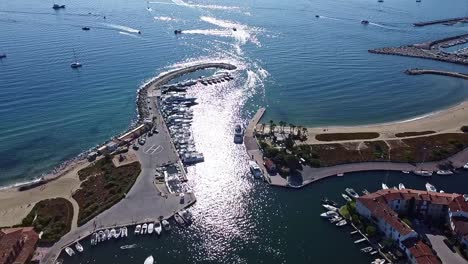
(346, 136)
(53, 217)
(413, 134)
(103, 187)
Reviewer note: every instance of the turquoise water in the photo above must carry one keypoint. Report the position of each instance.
(306, 70)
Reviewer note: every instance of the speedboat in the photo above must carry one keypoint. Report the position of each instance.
(166, 225)
(86, 28)
(112, 233)
(317, 16)
(56, 6)
(177, 31)
(329, 207)
(69, 251)
(384, 186)
(444, 172)
(179, 219)
(364, 22)
(430, 187)
(186, 215)
(157, 227)
(335, 219)
(401, 186)
(149, 260)
(128, 246)
(378, 261)
(325, 200)
(79, 247)
(124, 231)
(137, 229)
(75, 65)
(150, 228)
(366, 249)
(94, 239)
(351, 192)
(346, 197)
(423, 173)
(341, 223)
(144, 228)
(255, 169)
(329, 214)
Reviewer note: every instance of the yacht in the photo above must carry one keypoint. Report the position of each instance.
(137, 229)
(430, 187)
(238, 134)
(329, 214)
(124, 231)
(255, 169)
(69, 251)
(329, 207)
(364, 22)
(444, 172)
(423, 173)
(112, 233)
(341, 223)
(384, 186)
(56, 6)
(107, 233)
(128, 246)
(149, 260)
(346, 197)
(401, 186)
(166, 225)
(352, 192)
(157, 227)
(150, 228)
(79, 247)
(101, 236)
(144, 228)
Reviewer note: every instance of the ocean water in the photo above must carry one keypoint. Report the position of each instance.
(305, 70)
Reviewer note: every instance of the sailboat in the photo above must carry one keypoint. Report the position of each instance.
(75, 64)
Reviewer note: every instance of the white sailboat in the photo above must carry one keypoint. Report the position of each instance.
(149, 260)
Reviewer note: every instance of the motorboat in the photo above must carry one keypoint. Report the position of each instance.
(430, 187)
(329, 214)
(418, 1)
(128, 246)
(179, 220)
(367, 249)
(75, 64)
(465, 166)
(79, 247)
(341, 223)
(157, 227)
(255, 169)
(144, 228)
(112, 233)
(340, 174)
(85, 28)
(137, 229)
(406, 172)
(107, 232)
(238, 134)
(352, 192)
(380, 1)
(124, 231)
(364, 22)
(325, 200)
(166, 225)
(401, 186)
(3, 55)
(69, 251)
(444, 172)
(441, 191)
(384, 186)
(118, 232)
(186, 215)
(335, 219)
(423, 173)
(317, 16)
(378, 261)
(150, 228)
(94, 239)
(101, 236)
(365, 192)
(56, 6)
(177, 31)
(149, 260)
(329, 207)
(346, 197)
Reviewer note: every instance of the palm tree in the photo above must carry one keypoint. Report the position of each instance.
(282, 124)
(271, 124)
(272, 128)
(299, 131)
(304, 132)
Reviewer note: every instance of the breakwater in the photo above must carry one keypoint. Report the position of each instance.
(436, 72)
(442, 21)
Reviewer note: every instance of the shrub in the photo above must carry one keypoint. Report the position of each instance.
(371, 230)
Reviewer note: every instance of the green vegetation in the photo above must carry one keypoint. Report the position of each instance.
(413, 134)
(346, 136)
(53, 217)
(371, 230)
(103, 186)
(344, 211)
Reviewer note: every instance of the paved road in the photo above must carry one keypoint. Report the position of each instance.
(445, 254)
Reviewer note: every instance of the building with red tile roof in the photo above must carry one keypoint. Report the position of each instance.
(17, 245)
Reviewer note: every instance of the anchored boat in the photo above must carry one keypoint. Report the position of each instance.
(430, 187)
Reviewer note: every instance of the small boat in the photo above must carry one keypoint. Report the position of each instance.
(149, 260)
(56, 6)
(346, 197)
(144, 228)
(401, 186)
(465, 196)
(101, 236)
(69, 251)
(378, 261)
(128, 246)
(234, 29)
(430, 187)
(179, 219)
(94, 239)
(352, 192)
(255, 169)
(329, 207)
(137, 229)
(364, 22)
(118, 232)
(340, 174)
(75, 64)
(444, 172)
(384, 186)
(150, 228)
(177, 31)
(335, 219)
(111, 234)
(317, 16)
(186, 215)
(406, 172)
(365, 192)
(79, 247)
(341, 223)
(124, 231)
(166, 225)
(329, 214)
(418, 1)
(85, 28)
(423, 173)
(367, 249)
(380, 1)
(107, 232)
(465, 166)
(2, 55)
(325, 200)
(441, 191)
(157, 227)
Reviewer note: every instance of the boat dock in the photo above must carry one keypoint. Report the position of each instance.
(360, 240)
(437, 72)
(442, 21)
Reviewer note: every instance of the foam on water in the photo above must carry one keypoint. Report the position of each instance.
(121, 28)
(164, 18)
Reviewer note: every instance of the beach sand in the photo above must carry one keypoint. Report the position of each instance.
(15, 205)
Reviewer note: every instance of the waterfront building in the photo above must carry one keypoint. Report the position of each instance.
(17, 245)
(384, 207)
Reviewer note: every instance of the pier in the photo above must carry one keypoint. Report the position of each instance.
(437, 72)
(442, 21)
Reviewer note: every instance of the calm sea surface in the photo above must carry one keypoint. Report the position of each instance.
(306, 70)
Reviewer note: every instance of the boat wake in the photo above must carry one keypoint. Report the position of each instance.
(121, 28)
(242, 33)
(182, 3)
(128, 34)
(164, 18)
(384, 26)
